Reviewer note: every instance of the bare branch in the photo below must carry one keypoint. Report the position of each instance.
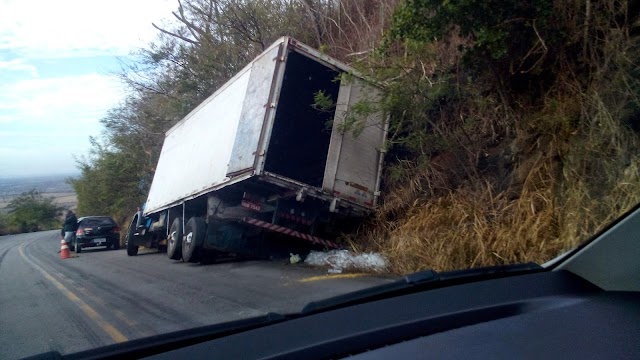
(183, 18)
(174, 35)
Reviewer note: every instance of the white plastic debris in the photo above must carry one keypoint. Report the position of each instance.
(339, 260)
(295, 258)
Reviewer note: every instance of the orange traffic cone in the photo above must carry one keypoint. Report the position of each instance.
(64, 250)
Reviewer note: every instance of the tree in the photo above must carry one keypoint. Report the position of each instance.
(113, 183)
(4, 223)
(31, 211)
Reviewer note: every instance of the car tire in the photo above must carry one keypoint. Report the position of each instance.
(78, 248)
(115, 245)
(194, 234)
(132, 250)
(174, 241)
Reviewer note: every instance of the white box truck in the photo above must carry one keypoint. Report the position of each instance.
(257, 167)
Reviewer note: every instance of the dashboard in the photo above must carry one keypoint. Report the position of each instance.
(540, 315)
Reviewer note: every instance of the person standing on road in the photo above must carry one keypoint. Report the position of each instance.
(69, 228)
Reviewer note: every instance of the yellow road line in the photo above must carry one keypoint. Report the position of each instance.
(116, 335)
(332, 276)
(120, 315)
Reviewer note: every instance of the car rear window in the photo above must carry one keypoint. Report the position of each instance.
(93, 222)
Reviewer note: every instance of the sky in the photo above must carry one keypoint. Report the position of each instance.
(57, 60)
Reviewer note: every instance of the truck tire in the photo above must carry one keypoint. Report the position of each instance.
(195, 232)
(132, 249)
(174, 242)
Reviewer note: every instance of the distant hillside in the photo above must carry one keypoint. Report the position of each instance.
(50, 186)
(44, 184)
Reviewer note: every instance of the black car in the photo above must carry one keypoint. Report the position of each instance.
(97, 231)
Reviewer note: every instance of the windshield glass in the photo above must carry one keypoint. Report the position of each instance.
(95, 222)
(255, 156)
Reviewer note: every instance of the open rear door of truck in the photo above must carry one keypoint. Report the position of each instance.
(354, 162)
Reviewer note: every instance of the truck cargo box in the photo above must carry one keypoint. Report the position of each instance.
(262, 123)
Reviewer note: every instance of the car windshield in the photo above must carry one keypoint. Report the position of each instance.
(171, 164)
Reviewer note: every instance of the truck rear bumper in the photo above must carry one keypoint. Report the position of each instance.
(284, 230)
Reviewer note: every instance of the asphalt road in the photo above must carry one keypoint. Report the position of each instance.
(103, 297)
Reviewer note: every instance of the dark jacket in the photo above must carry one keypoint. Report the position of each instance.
(70, 224)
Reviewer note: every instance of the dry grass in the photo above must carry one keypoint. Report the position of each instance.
(476, 227)
(573, 186)
(470, 228)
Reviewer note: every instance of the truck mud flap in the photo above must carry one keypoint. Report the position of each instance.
(290, 232)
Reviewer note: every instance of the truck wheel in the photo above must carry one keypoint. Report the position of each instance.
(132, 250)
(174, 242)
(194, 231)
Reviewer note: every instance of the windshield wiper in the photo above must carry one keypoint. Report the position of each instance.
(419, 281)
